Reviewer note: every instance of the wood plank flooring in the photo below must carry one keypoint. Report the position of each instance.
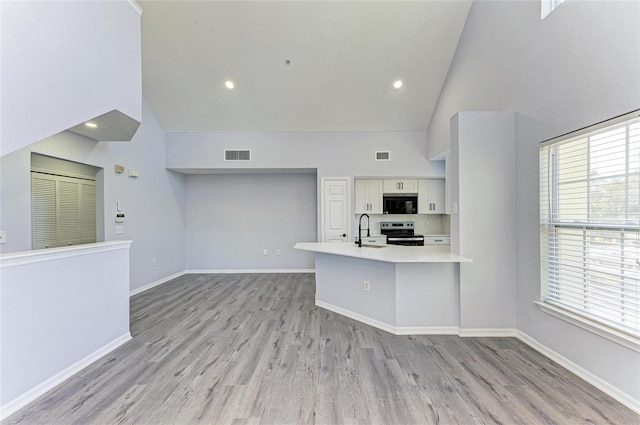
(253, 349)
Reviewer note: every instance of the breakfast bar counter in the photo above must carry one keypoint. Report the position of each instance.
(386, 253)
(400, 289)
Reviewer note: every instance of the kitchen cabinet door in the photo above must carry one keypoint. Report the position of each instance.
(400, 186)
(368, 197)
(431, 196)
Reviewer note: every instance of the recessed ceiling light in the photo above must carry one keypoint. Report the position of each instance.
(229, 84)
(90, 124)
(397, 84)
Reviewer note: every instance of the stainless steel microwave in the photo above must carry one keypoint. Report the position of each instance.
(406, 203)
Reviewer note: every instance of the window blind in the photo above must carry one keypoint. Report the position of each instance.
(63, 210)
(590, 222)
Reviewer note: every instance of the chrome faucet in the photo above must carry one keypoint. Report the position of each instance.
(360, 229)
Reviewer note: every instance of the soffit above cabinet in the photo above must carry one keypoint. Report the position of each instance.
(113, 126)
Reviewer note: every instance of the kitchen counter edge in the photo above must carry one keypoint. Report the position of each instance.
(388, 253)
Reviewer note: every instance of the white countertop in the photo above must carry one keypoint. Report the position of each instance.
(387, 253)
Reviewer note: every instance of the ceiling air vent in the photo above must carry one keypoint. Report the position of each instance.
(383, 155)
(237, 155)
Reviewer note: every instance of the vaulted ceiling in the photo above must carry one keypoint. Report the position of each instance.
(299, 65)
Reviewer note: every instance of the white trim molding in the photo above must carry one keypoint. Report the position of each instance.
(589, 325)
(201, 271)
(156, 283)
(231, 271)
(582, 373)
(487, 333)
(35, 392)
(40, 255)
(135, 6)
(395, 330)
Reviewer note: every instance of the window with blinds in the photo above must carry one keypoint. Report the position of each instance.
(63, 210)
(590, 221)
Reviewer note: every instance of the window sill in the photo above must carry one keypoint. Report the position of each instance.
(600, 330)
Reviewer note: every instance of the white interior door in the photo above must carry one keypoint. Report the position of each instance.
(335, 217)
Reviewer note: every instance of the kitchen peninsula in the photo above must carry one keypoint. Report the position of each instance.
(400, 289)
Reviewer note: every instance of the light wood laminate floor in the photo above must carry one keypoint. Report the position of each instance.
(254, 349)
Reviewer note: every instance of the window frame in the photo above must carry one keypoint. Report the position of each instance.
(550, 222)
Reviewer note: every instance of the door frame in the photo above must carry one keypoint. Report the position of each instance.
(349, 181)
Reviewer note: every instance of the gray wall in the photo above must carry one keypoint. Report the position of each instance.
(64, 63)
(331, 153)
(577, 67)
(232, 218)
(62, 167)
(484, 227)
(153, 203)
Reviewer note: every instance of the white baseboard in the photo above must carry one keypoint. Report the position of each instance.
(35, 392)
(582, 373)
(156, 283)
(396, 330)
(229, 271)
(487, 333)
(202, 271)
(426, 330)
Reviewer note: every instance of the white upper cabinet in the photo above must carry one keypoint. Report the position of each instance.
(400, 186)
(368, 196)
(431, 196)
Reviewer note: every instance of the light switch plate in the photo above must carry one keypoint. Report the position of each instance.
(119, 230)
(3, 236)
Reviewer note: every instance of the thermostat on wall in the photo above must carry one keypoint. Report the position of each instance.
(119, 218)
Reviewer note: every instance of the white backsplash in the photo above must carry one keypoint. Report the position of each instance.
(436, 224)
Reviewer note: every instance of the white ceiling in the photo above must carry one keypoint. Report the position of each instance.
(344, 58)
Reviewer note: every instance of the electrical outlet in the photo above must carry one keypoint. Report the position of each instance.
(3, 236)
(265, 252)
(366, 286)
(277, 252)
(119, 230)
(154, 262)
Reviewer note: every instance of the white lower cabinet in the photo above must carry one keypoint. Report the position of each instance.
(437, 240)
(431, 196)
(368, 196)
(374, 240)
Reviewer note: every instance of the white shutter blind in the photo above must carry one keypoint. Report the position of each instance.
(43, 206)
(63, 211)
(68, 212)
(88, 212)
(589, 224)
